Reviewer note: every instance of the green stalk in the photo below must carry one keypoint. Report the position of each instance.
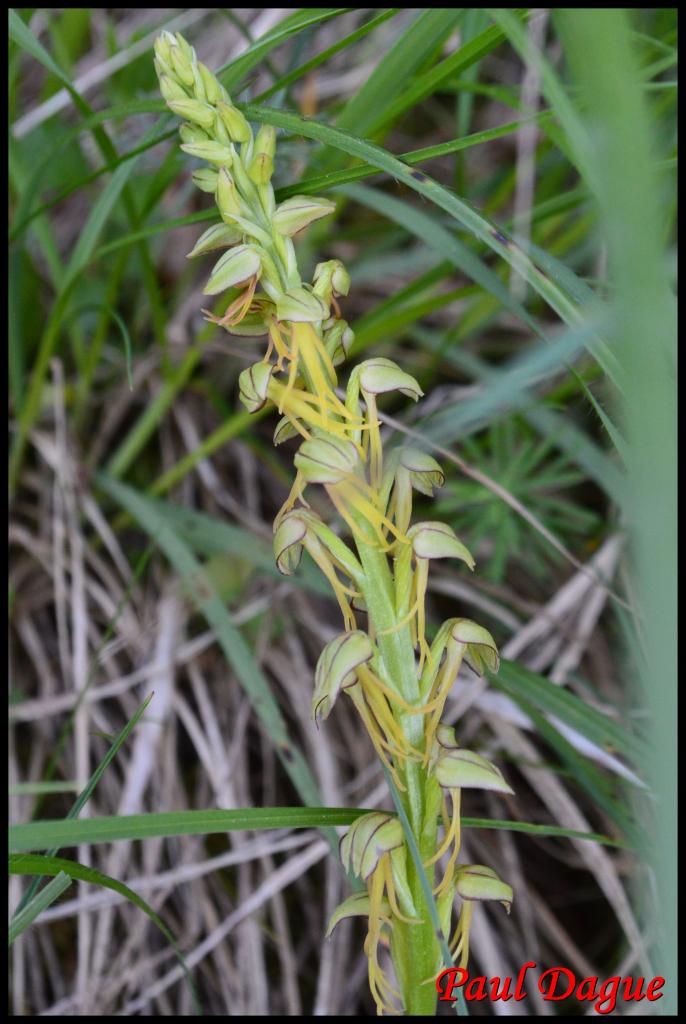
(414, 948)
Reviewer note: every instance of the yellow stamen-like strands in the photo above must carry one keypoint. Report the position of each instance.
(395, 698)
(390, 892)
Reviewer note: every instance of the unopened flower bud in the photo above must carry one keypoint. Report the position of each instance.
(337, 669)
(253, 384)
(198, 84)
(228, 199)
(261, 166)
(193, 110)
(301, 306)
(213, 152)
(213, 89)
(192, 133)
(219, 236)
(234, 122)
(163, 46)
(171, 89)
(438, 540)
(297, 212)
(206, 179)
(235, 266)
(478, 882)
(183, 66)
(331, 278)
(326, 460)
(185, 47)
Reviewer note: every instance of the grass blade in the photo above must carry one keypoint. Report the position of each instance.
(522, 684)
(83, 797)
(40, 835)
(35, 864)
(40, 902)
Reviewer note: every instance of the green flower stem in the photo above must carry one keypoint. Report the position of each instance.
(414, 947)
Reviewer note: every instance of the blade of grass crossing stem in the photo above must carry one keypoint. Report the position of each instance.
(85, 794)
(316, 184)
(35, 864)
(460, 1005)
(41, 835)
(236, 650)
(471, 219)
(25, 215)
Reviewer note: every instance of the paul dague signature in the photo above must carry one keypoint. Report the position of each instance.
(554, 984)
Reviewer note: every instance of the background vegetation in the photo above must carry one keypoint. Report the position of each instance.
(518, 259)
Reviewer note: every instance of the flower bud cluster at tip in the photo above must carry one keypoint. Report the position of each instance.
(241, 166)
